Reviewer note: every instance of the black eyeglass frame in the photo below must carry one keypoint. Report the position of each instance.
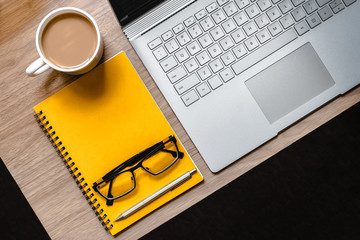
(137, 159)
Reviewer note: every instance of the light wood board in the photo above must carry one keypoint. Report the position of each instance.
(36, 167)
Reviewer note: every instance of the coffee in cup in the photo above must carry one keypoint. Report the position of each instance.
(67, 40)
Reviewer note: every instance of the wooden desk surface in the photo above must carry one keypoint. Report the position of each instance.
(36, 167)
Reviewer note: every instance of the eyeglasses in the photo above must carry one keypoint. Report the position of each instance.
(154, 160)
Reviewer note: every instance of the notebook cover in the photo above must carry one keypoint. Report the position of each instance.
(101, 120)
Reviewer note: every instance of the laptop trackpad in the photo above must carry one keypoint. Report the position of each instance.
(290, 82)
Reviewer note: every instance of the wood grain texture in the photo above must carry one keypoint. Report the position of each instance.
(38, 170)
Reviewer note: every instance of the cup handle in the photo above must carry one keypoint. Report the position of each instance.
(37, 67)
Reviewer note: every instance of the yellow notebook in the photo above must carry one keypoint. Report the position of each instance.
(103, 119)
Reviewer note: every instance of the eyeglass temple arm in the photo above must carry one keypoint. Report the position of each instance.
(136, 158)
(173, 153)
(109, 195)
(131, 161)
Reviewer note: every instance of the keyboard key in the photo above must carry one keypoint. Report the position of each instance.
(218, 16)
(159, 53)
(215, 82)
(302, 28)
(322, 2)
(178, 28)
(252, 11)
(167, 35)
(298, 14)
(250, 28)
(176, 74)
(203, 89)
(310, 6)
(226, 43)
(239, 51)
(230, 9)
(227, 58)
(189, 21)
(154, 43)
(273, 13)
(193, 48)
(222, 2)
(204, 73)
(226, 75)
(183, 38)
(251, 43)
(334, 3)
(168, 63)
(171, 46)
(261, 21)
(275, 1)
(212, 7)
(181, 55)
(313, 20)
(206, 24)
(189, 98)
(229, 25)
(191, 65)
(240, 18)
(264, 51)
(216, 65)
(238, 35)
(242, 3)
(348, 2)
(264, 4)
(205, 40)
(286, 21)
(297, 2)
(275, 29)
(217, 33)
(195, 31)
(338, 8)
(203, 57)
(263, 36)
(325, 13)
(199, 15)
(214, 50)
(186, 84)
(285, 6)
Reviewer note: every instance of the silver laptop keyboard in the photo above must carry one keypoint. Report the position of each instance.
(208, 49)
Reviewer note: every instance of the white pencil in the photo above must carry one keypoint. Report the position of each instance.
(159, 193)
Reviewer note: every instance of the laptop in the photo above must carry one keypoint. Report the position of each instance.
(237, 72)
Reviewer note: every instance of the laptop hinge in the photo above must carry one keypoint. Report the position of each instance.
(155, 16)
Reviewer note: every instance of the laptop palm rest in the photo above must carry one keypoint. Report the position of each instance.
(290, 82)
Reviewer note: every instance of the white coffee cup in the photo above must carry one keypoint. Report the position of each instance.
(43, 63)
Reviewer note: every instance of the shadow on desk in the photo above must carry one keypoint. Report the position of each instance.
(310, 190)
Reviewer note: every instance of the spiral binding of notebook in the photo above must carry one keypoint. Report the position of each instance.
(74, 171)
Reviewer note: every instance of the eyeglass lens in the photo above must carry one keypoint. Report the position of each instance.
(162, 159)
(154, 164)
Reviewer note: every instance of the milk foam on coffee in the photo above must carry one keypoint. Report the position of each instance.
(69, 40)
